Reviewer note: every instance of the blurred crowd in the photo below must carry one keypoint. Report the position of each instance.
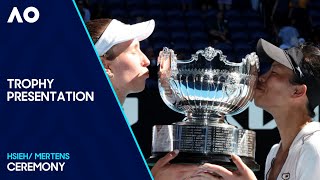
(233, 26)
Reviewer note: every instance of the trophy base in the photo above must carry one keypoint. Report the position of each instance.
(200, 144)
(200, 158)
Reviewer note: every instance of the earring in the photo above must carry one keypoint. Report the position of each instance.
(110, 74)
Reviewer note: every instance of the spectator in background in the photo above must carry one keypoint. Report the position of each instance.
(224, 4)
(255, 4)
(266, 8)
(299, 4)
(280, 12)
(84, 11)
(300, 18)
(218, 29)
(289, 37)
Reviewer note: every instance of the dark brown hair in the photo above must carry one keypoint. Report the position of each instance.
(311, 66)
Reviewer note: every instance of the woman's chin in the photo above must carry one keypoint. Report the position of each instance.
(259, 102)
(139, 88)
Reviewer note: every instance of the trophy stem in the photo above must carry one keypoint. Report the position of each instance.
(203, 118)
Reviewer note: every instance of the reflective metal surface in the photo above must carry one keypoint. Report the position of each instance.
(205, 89)
(207, 86)
(218, 139)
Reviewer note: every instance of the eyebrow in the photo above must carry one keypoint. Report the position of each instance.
(133, 47)
(276, 66)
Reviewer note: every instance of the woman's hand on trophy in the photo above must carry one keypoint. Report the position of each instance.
(163, 170)
(219, 172)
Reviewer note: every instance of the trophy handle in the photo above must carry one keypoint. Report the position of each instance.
(167, 87)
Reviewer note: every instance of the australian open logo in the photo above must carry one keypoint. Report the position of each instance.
(30, 15)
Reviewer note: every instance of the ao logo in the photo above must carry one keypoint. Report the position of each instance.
(255, 118)
(15, 14)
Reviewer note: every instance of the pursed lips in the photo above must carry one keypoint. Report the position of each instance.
(259, 87)
(146, 73)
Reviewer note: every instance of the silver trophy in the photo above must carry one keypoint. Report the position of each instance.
(205, 89)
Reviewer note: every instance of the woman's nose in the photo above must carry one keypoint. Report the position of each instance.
(145, 61)
(262, 78)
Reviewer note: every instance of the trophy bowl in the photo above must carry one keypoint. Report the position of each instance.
(205, 89)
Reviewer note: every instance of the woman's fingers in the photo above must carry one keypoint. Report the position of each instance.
(239, 163)
(164, 161)
(168, 157)
(216, 169)
(243, 172)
